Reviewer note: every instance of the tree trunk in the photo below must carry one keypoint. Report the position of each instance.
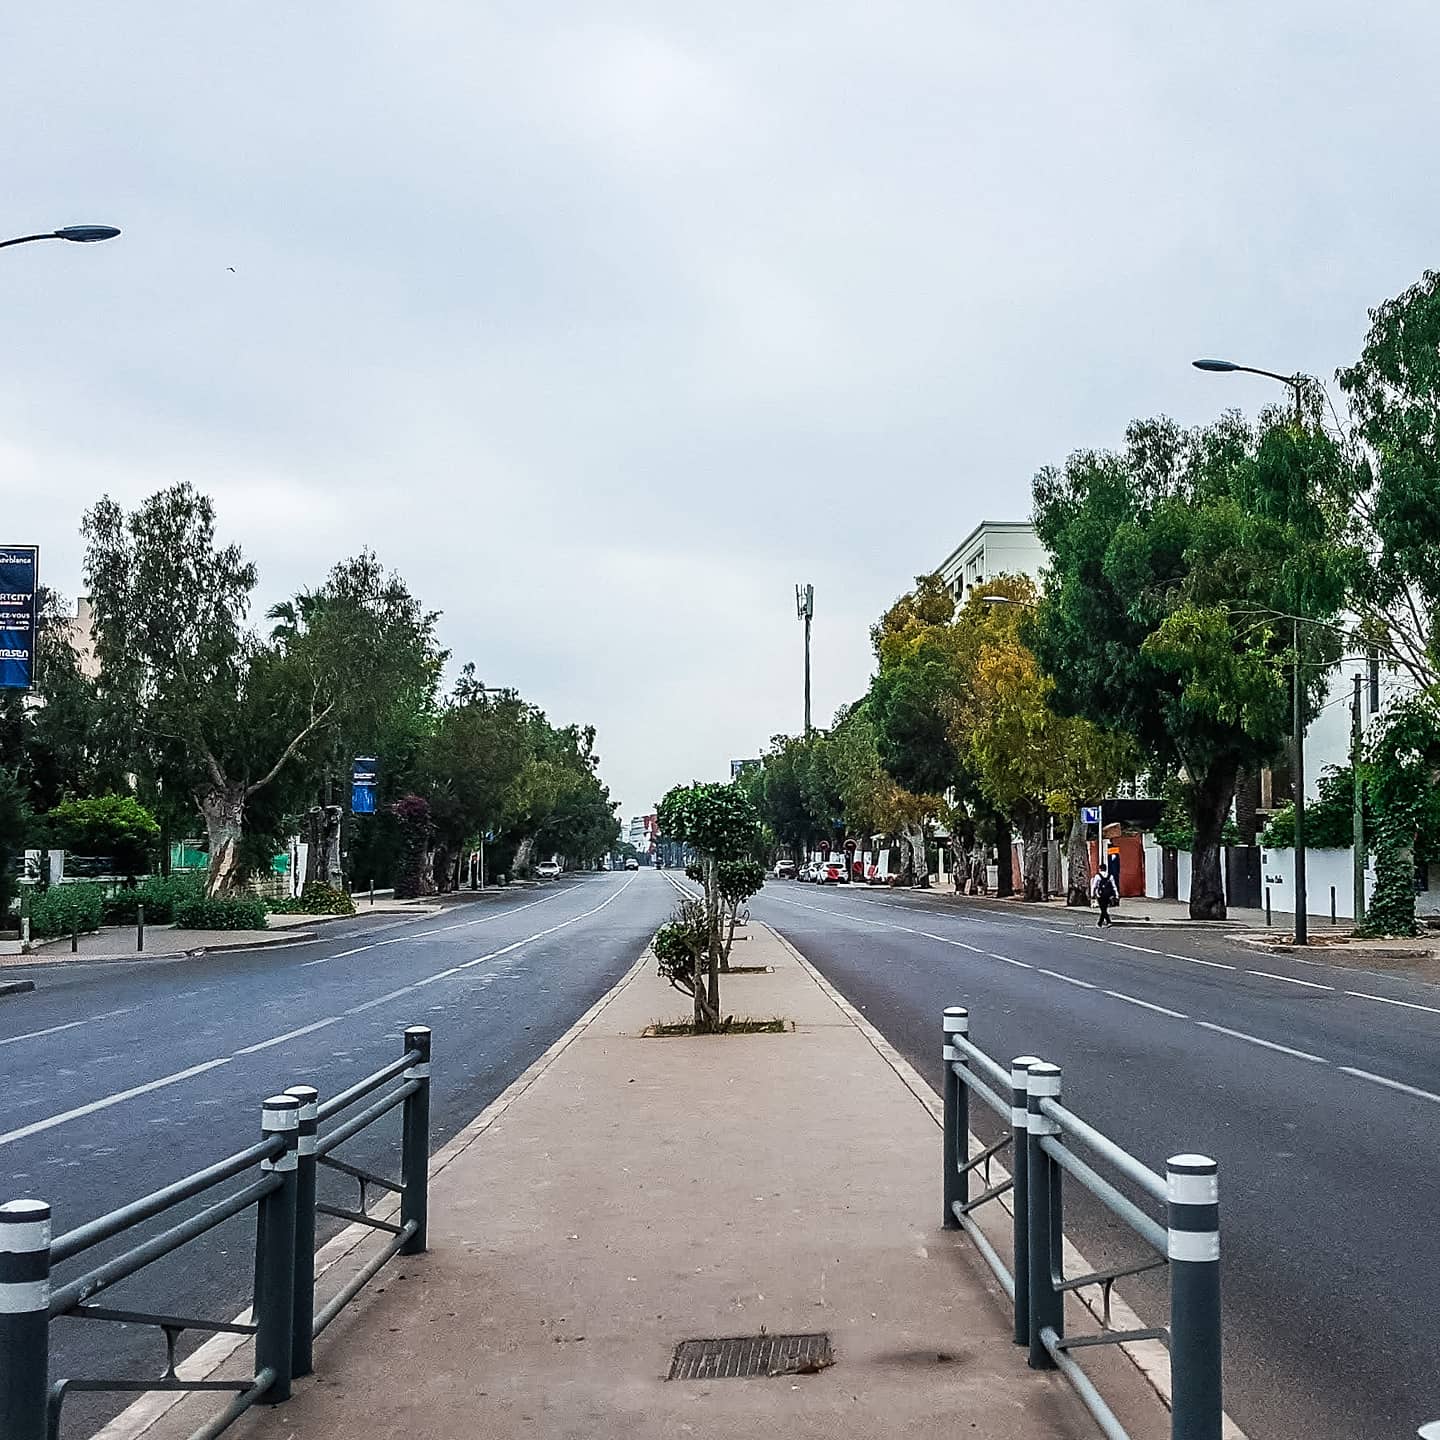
(1032, 850)
(712, 931)
(730, 937)
(1004, 880)
(223, 807)
(915, 869)
(1247, 802)
(1210, 799)
(1077, 888)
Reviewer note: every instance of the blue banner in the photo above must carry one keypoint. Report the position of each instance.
(363, 774)
(19, 582)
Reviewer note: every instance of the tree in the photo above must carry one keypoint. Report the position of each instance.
(114, 825)
(15, 824)
(722, 826)
(1175, 566)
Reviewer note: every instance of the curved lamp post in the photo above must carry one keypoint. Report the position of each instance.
(1302, 900)
(80, 234)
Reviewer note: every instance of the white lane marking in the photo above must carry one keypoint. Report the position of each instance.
(1121, 944)
(1391, 1084)
(288, 1035)
(10, 1136)
(68, 1025)
(1386, 1000)
(109, 1100)
(1145, 1004)
(1256, 1040)
(1068, 979)
(1021, 964)
(960, 944)
(326, 959)
(1213, 964)
(1290, 980)
(36, 1034)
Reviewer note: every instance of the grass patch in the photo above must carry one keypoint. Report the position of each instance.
(749, 970)
(729, 1026)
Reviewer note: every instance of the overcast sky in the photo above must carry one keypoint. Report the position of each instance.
(606, 323)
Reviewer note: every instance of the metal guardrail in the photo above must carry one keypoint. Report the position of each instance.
(283, 1319)
(1044, 1137)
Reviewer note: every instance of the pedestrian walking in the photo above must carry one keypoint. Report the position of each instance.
(1102, 891)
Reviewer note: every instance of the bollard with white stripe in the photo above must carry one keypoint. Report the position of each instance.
(24, 1319)
(415, 1142)
(1042, 1186)
(302, 1342)
(1019, 1173)
(956, 1142)
(275, 1251)
(1192, 1189)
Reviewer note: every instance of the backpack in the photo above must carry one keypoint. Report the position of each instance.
(1105, 890)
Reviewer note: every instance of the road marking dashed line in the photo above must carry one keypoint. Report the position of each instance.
(1385, 1000)
(1145, 1004)
(1391, 1084)
(1068, 979)
(1256, 1040)
(1290, 980)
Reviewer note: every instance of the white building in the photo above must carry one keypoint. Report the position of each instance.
(993, 547)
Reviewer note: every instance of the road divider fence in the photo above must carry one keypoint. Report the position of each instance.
(281, 1181)
(1047, 1142)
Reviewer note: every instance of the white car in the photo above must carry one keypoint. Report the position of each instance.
(548, 869)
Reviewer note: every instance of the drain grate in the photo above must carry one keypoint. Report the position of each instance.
(741, 1355)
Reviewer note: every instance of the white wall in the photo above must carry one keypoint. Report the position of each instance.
(1323, 868)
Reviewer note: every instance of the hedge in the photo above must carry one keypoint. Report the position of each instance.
(227, 912)
(159, 894)
(56, 910)
(315, 899)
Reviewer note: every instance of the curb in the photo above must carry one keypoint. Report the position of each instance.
(140, 1417)
(16, 987)
(1150, 1357)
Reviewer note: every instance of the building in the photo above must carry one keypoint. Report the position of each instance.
(993, 547)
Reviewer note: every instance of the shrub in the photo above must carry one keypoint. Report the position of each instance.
(56, 910)
(159, 894)
(115, 825)
(315, 899)
(1329, 819)
(224, 912)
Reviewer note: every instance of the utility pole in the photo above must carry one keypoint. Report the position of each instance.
(1356, 739)
(805, 610)
(1302, 917)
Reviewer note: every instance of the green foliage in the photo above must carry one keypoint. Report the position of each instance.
(680, 944)
(221, 912)
(62, 907)
(314, 899)
(1329, 819)
(1176, 830)
(1403, 755)
(718, 820)
(15, 823)
(115, 825)
(159, 894)
(738, 880)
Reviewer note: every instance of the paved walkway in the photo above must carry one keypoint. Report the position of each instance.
(629, 1193)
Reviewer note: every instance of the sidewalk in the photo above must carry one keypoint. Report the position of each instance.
(630, 1193)
(117, 942)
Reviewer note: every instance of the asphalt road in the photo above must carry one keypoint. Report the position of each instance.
(119, 1078)
(1317, 1089)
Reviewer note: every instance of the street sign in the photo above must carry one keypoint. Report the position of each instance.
(1089, 814)
(19, 584)
(362, 785)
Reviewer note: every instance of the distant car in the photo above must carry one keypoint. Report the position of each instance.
(784, 869)
(548, 869)
(831, 872)
(631, 863)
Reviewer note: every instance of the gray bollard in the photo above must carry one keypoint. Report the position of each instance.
(372, 894)
(956, 1144)
(1019, 1174)
(1042, 1187)
(275, 1251)
(1267, 907)
(139, 928)
(24, 1319)
(415, 1142)
(1333, 919)
(74, 937)
(302, 1339)
(1192, 1187)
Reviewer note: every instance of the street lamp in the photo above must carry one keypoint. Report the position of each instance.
(1296, 382)
(805, 610)
(79, 234)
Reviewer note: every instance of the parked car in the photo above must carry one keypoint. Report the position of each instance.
(631, 863)
(831, 872)
(548, 869)
(784, 869)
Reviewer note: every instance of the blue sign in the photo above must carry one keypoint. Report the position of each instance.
(1089, 814)
(19, 582)
(363, 774)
